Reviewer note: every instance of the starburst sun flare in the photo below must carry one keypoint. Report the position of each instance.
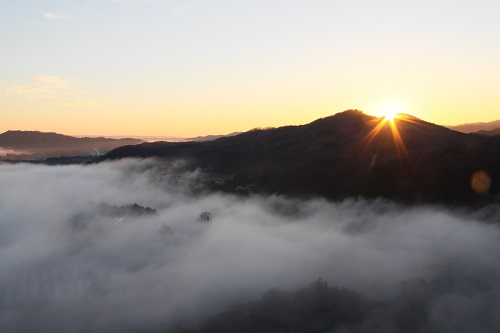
(389, 112)
(387, 116)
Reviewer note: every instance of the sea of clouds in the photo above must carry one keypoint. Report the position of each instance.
(151, 273)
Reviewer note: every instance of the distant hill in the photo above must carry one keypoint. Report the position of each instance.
(211, 137)
(475, 127)
(178, 138)
(34, 144)
(347, 154)
(492, 132)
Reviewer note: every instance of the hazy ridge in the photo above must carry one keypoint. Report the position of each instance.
(475, 127)
(35, 144)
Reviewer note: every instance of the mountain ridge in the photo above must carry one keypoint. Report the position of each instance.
(346, 154)
(475, 127)
(493, 132)
(35, 144)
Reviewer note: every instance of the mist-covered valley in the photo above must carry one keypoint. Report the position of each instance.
(74, 258)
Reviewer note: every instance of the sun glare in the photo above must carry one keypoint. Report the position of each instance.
(386, 115)
(389, 112)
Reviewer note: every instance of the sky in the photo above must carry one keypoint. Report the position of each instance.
(194, 67)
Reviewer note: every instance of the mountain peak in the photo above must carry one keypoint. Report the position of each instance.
(407, 116)
(352, 113)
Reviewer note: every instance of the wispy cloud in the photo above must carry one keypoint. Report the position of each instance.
(47, 88)
(76, 101)
(149, 1)
(53, 16)
(55, 83)
(140, 2)
(180, 10)
(88, 10)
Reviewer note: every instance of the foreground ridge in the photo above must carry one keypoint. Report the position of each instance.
(347, 154)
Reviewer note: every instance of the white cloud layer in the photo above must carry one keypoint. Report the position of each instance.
(66, 268)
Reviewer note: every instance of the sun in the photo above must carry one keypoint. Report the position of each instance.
(390, 111)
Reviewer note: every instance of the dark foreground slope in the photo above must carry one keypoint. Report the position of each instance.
(321, 308)
(347, 154)
(31, 144)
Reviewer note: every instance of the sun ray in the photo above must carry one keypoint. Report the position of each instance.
(373, 133)
(398, 141)
(389, 119)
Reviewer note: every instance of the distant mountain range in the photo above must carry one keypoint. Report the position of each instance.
(34, 144)
(492, 132)
(347, 154)
(476, 127)
(211, 137)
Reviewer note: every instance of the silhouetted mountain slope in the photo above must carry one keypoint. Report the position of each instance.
(347, 154)
(52, 144)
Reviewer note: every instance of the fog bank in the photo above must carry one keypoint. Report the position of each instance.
(67, 267)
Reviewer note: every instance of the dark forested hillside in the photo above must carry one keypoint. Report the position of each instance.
(348, 154)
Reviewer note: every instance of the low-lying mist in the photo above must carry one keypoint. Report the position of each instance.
(9, 151)
(67, 267)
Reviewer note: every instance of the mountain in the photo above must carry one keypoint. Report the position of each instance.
(211, 137)
(347, 154)
(34, 144)
(475, 127)
(492, 132)
(178, 138)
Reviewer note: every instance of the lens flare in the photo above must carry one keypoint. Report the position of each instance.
(480, 182)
